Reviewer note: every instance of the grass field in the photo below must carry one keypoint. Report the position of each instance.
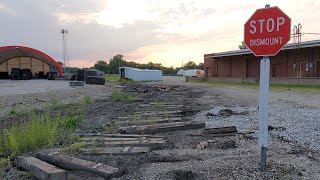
(112, 78)
(273, 87)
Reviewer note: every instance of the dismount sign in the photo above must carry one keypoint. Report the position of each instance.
(266, 41)
(267, 31)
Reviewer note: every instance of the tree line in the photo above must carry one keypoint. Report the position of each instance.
(118, 61)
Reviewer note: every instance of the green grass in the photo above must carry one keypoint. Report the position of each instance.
(4, 162)
(87, 99)
(53, 104)
(118, 95)
(273, 87)
(69, 122)
(13, 112)
(294, 87)
(71, 109)
(112, 78)
(40, 130)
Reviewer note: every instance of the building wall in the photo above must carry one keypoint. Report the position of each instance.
(210, 69)
(224, 67)
(286, 64)
(238, 66)
(34, 64)
(252, 67)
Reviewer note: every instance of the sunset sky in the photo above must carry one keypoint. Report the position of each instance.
(161, 31)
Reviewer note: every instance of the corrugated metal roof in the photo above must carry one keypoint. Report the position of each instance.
(305, 44)
(8, 52)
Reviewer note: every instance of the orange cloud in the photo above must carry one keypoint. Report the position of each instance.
(81, 63)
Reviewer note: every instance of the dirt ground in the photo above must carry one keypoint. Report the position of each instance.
(230, 157)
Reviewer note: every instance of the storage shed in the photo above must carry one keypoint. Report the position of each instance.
(33, 61)
(140, 74)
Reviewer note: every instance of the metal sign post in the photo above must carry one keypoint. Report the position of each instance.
(265, 33)
(263, 109)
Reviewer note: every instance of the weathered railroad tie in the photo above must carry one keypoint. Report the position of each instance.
(72, 163)
(129, 150)
(40, 169)
(159, 128)
(152, 143)
(217, 132)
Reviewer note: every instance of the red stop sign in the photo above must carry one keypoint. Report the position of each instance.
(267, 31)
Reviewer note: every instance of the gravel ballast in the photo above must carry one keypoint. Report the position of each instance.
(294, 123)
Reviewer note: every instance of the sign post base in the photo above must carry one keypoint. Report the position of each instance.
(263, 159)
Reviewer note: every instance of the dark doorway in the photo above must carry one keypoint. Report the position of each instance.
(122, 73)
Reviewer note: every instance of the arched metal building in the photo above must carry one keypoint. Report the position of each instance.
(22, 57)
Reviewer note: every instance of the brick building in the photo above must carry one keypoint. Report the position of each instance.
(292, 65)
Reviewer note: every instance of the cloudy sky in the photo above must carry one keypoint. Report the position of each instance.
(164, 31)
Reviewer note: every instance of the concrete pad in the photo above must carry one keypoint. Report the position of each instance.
(9, 87)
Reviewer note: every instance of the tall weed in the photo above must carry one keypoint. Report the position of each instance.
(40, 131)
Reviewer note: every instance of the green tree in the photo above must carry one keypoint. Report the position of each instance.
(101, 66)
(131, 64)
(200, 66)
(242, 45)
(116, 62)
(190, 65)
(169, 70)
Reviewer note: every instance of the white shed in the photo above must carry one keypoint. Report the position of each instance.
(140, 74)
